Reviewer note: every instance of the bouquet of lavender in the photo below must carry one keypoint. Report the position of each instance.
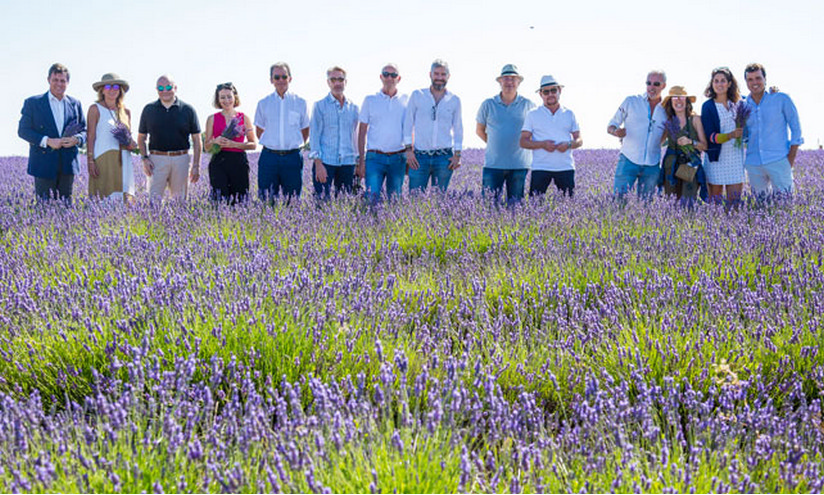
(123, 135)
(742, 112)
(73, 128)
(673, 127)
(233, 129)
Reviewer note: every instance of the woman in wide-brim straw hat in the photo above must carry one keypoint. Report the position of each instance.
(111, 174)
(685, 142)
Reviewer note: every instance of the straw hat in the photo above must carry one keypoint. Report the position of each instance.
(111, 78)
(678, 91)
(510, 70)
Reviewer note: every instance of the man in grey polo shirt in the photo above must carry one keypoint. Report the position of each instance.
(499, 124)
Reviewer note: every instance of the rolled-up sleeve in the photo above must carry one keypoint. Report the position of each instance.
(457, 126)
(791, 114)
(620, 115)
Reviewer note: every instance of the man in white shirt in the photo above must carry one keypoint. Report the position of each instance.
(433, 118)
(639, 123)
(380, 137)
(282, 125)
(552, 132)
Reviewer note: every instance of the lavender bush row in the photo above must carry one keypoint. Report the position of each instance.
(433, 344)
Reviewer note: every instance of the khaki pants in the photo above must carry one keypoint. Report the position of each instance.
(172, 171)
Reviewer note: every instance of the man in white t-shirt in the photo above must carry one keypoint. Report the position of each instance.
(551, 132)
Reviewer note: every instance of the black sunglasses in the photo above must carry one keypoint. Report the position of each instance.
(393, 75)
(657, 84)
(278, 77)
(550, 91)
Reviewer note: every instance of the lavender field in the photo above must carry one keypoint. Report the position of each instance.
(435, 344)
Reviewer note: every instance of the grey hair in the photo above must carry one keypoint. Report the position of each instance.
(335, 68)
(393, 65)
(280, 65)
(167, 77)
(439, 63)
(658, 72)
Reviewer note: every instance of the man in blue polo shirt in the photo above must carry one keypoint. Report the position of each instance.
(770, 151)
(499, 124)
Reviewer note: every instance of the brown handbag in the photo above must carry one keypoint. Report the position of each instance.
(686, 172)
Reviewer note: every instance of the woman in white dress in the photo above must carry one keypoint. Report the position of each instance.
(724, 164)
(110, 164)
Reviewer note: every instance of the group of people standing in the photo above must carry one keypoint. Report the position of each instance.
(393, 135)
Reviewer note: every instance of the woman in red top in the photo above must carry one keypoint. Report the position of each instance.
(228, 136)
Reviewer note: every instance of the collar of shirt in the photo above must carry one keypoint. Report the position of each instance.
(385, 96)
(561, 109)
(175, 103)
(497, 99)
(53, 99)
(331, 99)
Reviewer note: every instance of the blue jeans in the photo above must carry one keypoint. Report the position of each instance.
(342, 176)
(494, 179)
(391, 168)
(626, 173)
(436, 167)
(279, 173)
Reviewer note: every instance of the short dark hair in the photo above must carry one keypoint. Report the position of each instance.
(221, 87)
(58, 68)
(753, 68)
(733, 94)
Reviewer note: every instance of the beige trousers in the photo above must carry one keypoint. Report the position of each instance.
(171, 171)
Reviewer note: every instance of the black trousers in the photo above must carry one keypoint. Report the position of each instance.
(541, 179)
(229, 176)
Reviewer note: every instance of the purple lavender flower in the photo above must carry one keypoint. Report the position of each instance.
(73, 128)
(234, 129)
(742, 111)
(122, 134)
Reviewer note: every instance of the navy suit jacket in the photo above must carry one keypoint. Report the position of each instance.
(37, 121)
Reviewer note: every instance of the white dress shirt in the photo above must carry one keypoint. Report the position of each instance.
(58, 109)
(282, 120)
(435, 125)
(642, 144)
(384, 115)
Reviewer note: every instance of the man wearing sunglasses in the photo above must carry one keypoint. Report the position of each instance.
(639, 124)
(499, 124)
(54, 126)
(282, 125)
(552, 132)
(171, 127)
(380, 137)
(433, 117)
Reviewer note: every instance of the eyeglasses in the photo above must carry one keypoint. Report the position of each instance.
(337, 79)
(111, 86)
(278, 77)
(657, 84)
(550, 91)
(434, 112)
(167, 87)
(393, 75)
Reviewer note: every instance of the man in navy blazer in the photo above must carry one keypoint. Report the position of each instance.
(54, 126)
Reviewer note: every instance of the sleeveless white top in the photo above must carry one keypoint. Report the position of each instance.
(104, 140)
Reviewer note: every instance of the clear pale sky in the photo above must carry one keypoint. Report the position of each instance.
(600, 50)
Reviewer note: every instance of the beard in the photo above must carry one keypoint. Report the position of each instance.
(438, 85)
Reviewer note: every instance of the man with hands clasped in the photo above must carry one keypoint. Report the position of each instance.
(171, 127)
(552, 132)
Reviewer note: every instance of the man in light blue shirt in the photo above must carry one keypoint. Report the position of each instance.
(499, 124)
(770, 151)
(333, 131)
(642, 118)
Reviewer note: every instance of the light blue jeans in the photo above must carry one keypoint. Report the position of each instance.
(436, 167)
(775, 177)
(626, 173)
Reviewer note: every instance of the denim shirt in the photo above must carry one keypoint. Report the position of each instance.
(642, 144)
(333, 132)
(766, 129)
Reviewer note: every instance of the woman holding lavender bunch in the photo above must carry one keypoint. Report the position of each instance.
(681, 170)
(111, 174)
(225, 134)
(725, 155)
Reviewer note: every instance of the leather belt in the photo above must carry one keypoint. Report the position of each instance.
(169, 153)
(280, 152)
(440, 152)
(385, 153)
